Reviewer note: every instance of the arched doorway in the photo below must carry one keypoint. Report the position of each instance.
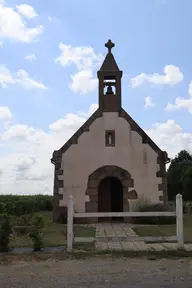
(110, 197)
(94, 180)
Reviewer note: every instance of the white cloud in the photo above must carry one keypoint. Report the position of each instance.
(5, 114)
(70, 121)
(170, 137)
(18, 132)
(25, 151)
(27, 11)
(83, 82)
(81, 56)
(148, 102)
(13, 25)
(91, 110)
(24, 80)
(190, 89)
(31, 57)
(5, 77)
(1, 44)
(182, 103)
(26, 163)
(172, 76)
(85, 60)
(20, 78)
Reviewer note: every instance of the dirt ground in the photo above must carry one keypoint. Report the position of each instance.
(98, 272)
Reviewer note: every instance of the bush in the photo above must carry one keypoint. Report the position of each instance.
(5, 232)
(37, 221)
(37, 238)
(20, 230)
(147, 207)
(187, 207)
(24, 220)
(17, 205)
(35, 234)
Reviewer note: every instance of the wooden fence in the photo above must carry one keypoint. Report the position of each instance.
(178, 213)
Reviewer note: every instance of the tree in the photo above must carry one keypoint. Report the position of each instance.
(187, 183)
(183, 156)
(179, 176)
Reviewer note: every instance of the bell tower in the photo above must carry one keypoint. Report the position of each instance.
(109, 77)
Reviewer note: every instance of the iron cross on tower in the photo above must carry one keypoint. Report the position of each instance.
(109, 45)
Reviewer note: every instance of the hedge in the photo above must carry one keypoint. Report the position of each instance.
(157, 220)
(16, 205)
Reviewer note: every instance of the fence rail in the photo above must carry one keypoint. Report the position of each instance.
(124, 214)
(127, 238)
(176, 238)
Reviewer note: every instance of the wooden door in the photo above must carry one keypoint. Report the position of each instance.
(104, 198)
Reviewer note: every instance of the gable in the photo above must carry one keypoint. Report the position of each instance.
(133, 125)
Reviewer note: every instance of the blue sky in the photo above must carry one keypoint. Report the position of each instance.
(45, 99)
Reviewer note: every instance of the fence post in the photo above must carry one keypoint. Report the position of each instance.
(70, 224)
(179, 220)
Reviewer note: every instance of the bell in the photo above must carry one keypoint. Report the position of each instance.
(109, 90)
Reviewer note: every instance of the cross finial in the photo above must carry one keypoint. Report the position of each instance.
(109, 45)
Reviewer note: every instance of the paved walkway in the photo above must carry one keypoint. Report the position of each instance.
(122, 230)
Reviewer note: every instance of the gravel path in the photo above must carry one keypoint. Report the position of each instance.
(98, 272)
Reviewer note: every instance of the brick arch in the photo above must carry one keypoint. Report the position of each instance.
(104, 172)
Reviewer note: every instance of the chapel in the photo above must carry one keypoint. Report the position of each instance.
(110, 162)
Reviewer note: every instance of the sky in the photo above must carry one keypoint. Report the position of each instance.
(50, 52)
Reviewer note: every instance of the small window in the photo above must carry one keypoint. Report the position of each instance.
(110, 138)
(144, 157)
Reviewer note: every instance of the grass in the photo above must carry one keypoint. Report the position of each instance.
(54, 234)
(166, 230)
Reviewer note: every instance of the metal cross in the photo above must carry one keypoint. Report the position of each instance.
(109, 45)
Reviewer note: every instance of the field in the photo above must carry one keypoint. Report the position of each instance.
(166, 230)
(54, 234)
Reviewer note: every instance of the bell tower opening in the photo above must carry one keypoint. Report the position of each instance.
(110, 87)
(109, 82)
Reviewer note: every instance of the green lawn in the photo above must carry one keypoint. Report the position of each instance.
(54, 234)
(166, 230)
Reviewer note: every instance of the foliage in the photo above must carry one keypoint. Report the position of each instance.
(5, 232)
(183, 156)
(147, 207)
(20, 230)
(37, 238)
(37, 221)
(35, 234)
(16, 205)
(179, 176)
(23, 220)
(187, 183)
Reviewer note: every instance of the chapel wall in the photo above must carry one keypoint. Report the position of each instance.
(90, 153)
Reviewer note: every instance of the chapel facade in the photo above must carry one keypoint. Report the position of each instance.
(110, 161)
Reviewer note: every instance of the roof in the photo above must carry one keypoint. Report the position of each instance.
(109, 64)
(97, 114)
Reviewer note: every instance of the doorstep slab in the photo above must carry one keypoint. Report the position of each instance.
(188, 247)
(142, 246)
(129, 246)
(170, 246)
(114, 246)
(157, 247)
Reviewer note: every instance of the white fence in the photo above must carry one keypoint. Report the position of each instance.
(179, 225)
